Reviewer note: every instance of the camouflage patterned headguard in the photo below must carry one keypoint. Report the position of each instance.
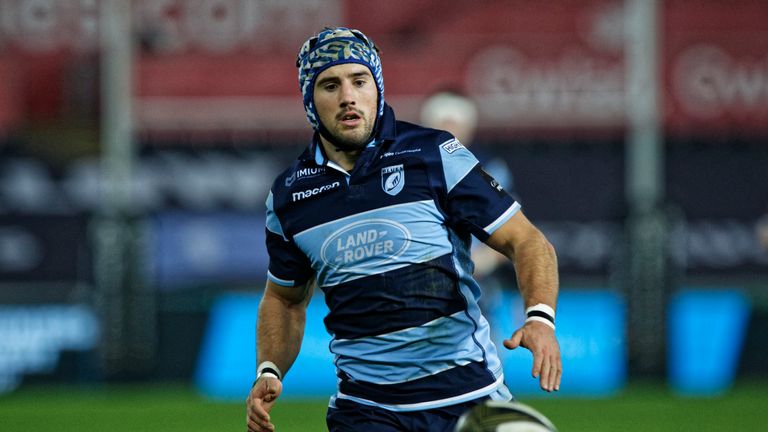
(331, 47)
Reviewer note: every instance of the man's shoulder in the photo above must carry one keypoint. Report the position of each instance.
(429, 141)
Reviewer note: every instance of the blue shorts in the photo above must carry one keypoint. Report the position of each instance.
(349, 416)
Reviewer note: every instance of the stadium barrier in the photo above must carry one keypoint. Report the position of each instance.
(706, 334)
(590, 326)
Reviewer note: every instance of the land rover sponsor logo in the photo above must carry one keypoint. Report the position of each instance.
(452, 146)
(366, 243)
(393, 179)
(303, 173)
(314, 191)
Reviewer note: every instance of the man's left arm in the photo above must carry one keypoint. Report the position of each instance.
(536, 267)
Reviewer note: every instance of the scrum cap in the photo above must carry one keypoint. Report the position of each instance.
(330, 47)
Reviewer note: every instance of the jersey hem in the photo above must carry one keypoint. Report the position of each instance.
(484, 391)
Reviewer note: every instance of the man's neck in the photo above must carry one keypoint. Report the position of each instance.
(345, 159)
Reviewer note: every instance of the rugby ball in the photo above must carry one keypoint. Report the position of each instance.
(496, 416)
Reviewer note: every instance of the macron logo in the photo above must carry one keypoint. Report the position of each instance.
(314, 191)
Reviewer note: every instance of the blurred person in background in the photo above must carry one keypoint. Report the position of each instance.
(451, 110)
(762, 230)
(379, 214)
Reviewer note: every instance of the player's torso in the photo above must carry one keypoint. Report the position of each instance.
(381, 245)
(385, 217)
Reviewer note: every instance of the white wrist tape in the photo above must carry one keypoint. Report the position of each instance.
(542, 313)
(269, 369)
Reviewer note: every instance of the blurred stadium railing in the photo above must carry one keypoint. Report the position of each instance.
(217, 113)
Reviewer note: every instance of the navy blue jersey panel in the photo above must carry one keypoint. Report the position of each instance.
(399, 299)
(307, 202)
(474, 375)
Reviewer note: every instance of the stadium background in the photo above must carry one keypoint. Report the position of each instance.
(132, 184)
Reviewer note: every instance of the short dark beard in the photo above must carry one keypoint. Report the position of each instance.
(342, 144)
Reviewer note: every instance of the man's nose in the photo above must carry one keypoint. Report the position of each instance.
(347, 95)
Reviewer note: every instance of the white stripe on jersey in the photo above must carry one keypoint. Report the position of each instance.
(493, 226)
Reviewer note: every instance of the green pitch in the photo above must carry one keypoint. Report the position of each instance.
(157, 408)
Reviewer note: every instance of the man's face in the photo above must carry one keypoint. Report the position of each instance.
(346, 101)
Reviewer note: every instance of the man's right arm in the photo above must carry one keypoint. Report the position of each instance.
(280, 328)
(279, 332)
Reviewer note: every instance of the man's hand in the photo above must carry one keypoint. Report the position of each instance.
(260, 402)
(540, 340)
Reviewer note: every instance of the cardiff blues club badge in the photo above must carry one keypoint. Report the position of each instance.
(393, 179)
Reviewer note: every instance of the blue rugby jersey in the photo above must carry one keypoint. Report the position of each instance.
(389, 245)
